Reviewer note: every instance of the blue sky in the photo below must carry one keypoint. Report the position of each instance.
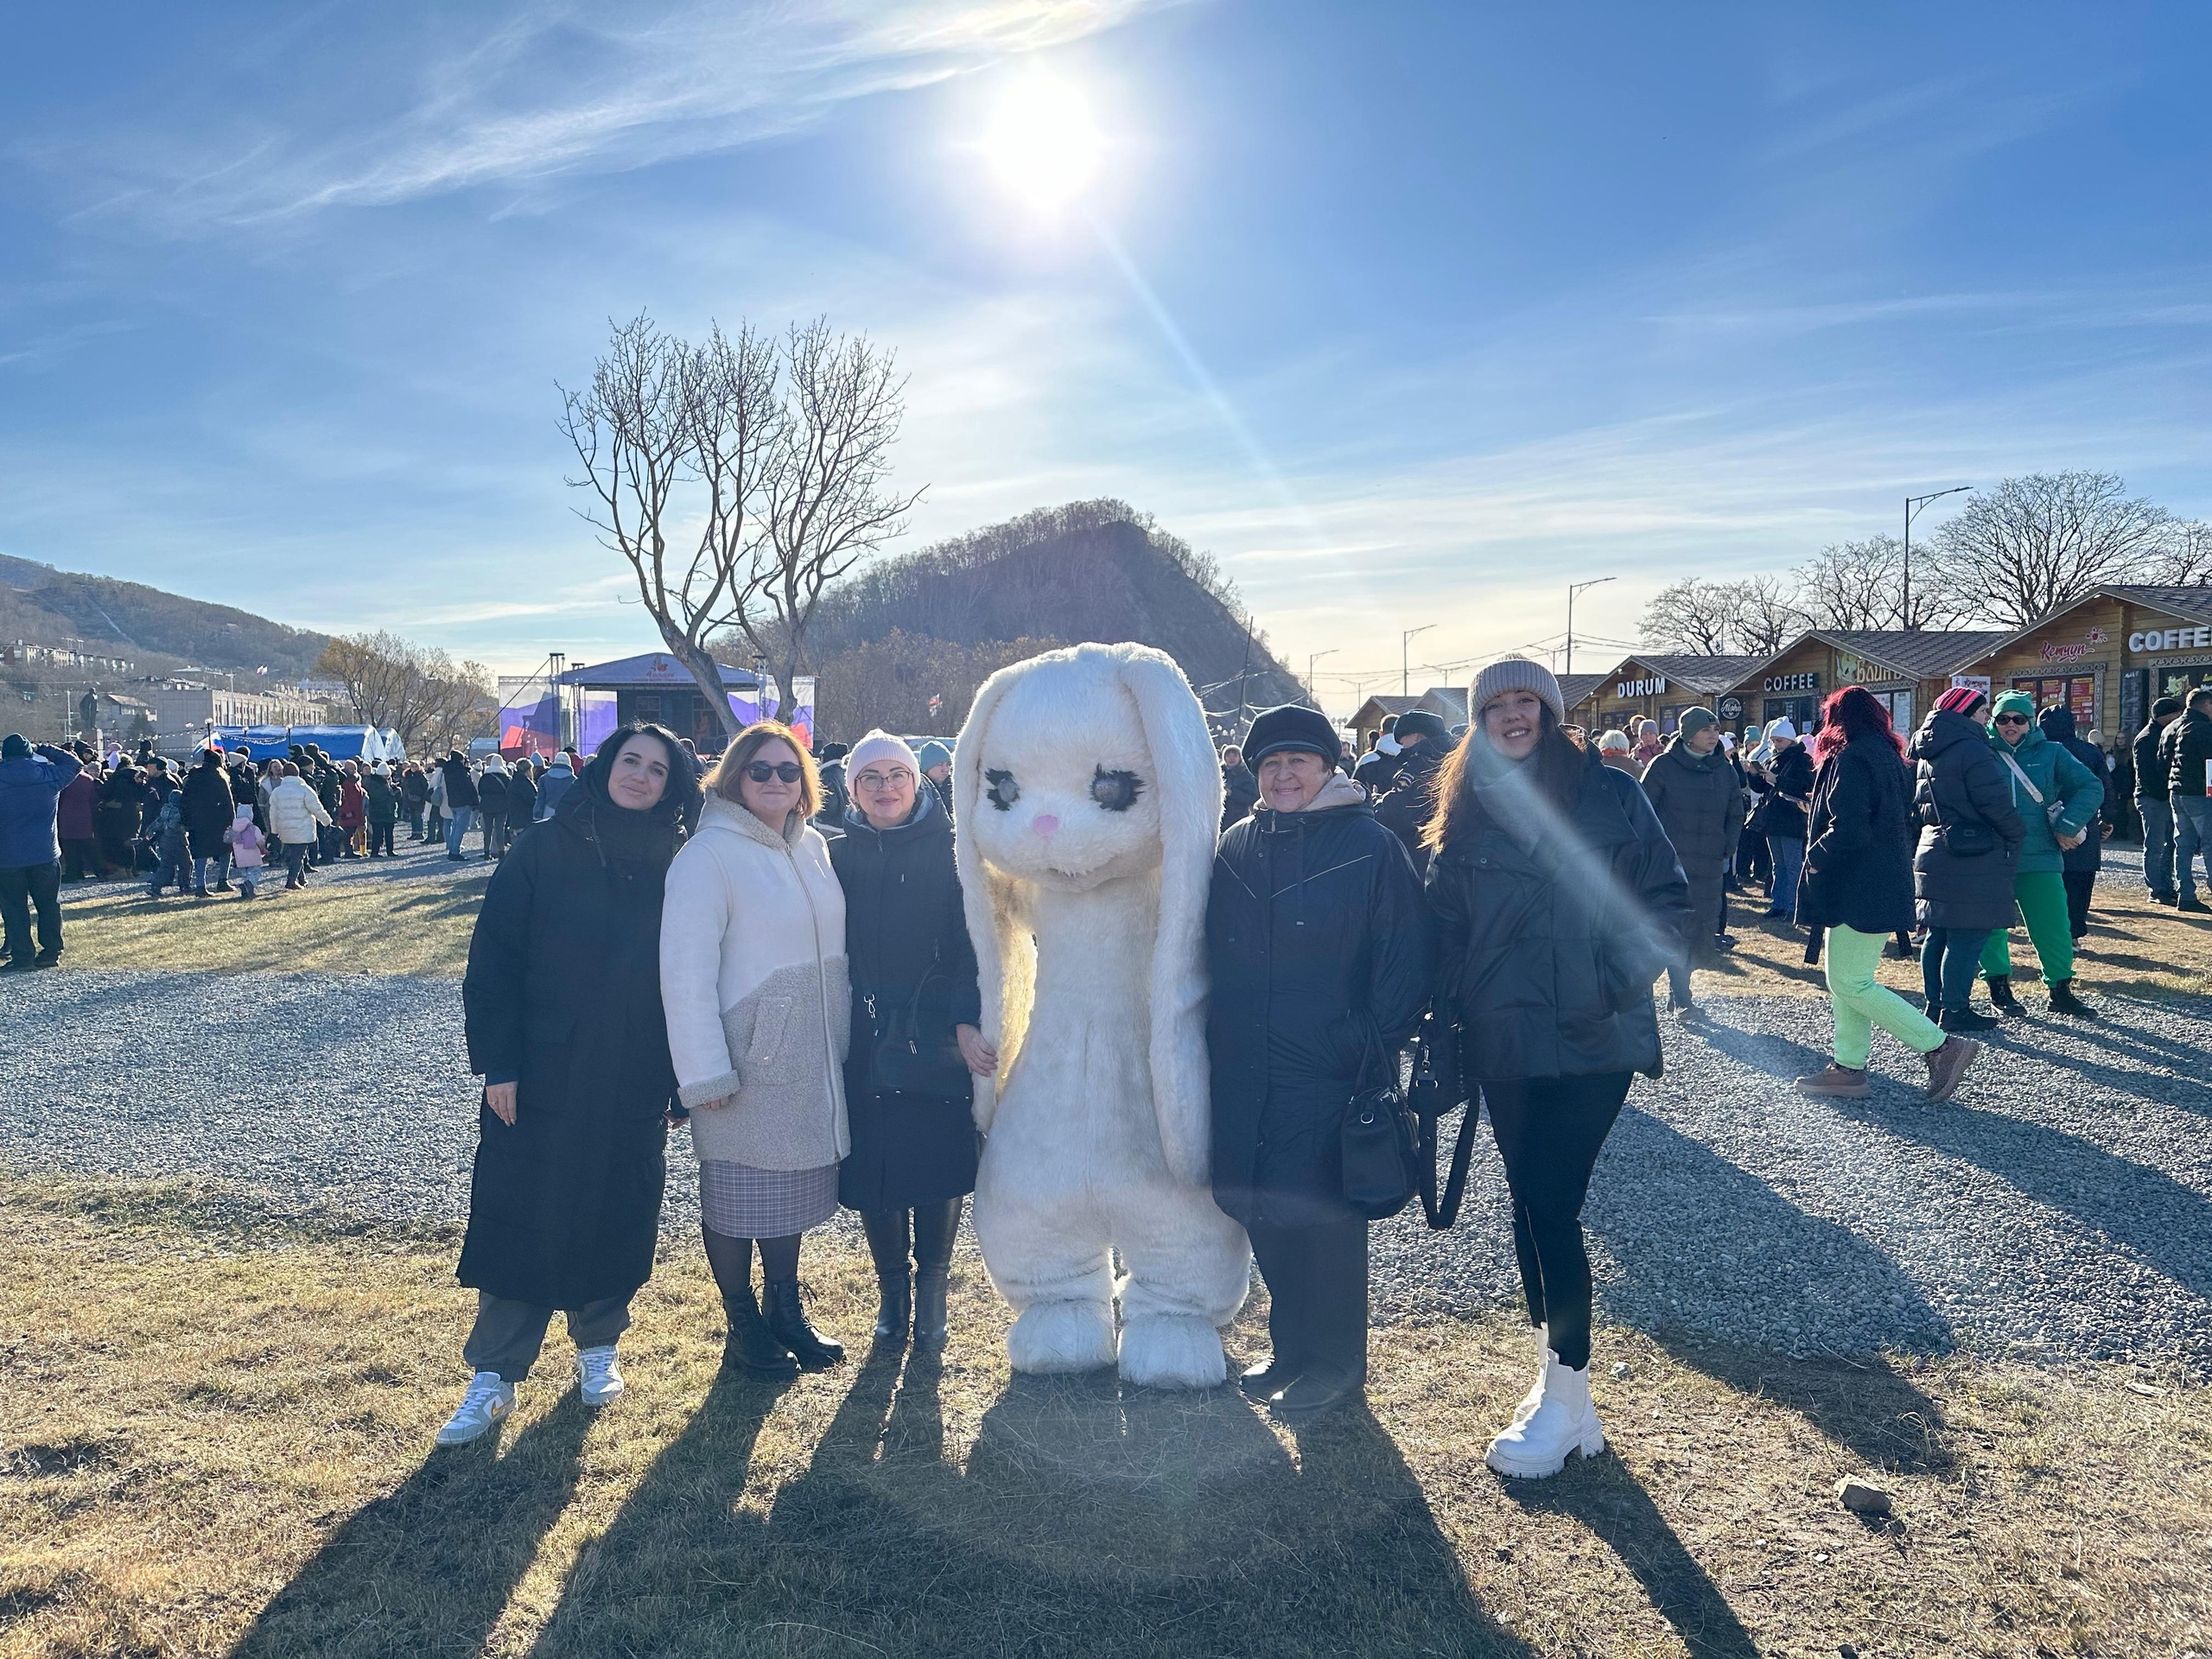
(1419, 311)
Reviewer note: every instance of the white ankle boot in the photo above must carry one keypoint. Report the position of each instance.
(1555, 1421)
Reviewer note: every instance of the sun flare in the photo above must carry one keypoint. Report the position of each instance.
(1043, 143)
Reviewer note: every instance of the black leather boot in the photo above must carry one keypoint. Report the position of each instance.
(2000, 994)
(931, 1322)
(1965, 1019)
(888, 1247)
(751, 1346)
(2062, 1001)
(787, 1320)
(1269, 1377)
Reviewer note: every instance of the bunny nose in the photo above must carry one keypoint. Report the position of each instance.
(1045, 824)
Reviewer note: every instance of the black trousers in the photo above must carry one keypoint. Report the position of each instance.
(23, 888)
(2079, 884)
(1548, 1131)
(1317, 1293)
(379, 839)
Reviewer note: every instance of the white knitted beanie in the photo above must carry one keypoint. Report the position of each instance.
(1518, 674)
(881, 746)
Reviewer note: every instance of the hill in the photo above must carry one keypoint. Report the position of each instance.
(939, 621)
(42, 605)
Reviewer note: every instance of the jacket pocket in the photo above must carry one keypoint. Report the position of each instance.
(768, 1049)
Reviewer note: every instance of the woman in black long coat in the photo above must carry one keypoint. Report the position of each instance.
(1316, 943)
(1857, 889)
(1970, 835)
(563, 1000)
(1558, 900)
(208, 808)
(913, 972)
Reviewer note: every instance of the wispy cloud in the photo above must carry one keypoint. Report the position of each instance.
(554, 90)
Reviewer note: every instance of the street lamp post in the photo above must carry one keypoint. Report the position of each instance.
(1572, 590)
(1404, 658)
(1313, 657)
(1913, 504)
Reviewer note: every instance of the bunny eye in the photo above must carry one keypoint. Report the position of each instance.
(1117, 792)
(1003, 791)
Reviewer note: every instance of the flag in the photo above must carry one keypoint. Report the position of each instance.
(263, 669)
(937, 703)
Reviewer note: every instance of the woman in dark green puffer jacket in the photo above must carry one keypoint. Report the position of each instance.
(2043, 775)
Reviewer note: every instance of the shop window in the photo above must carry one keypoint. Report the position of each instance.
(1899, 704)
(1800, 712)
(2077, 692)
(647, 706)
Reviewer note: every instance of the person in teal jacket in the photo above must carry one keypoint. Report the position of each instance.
(2040, 769)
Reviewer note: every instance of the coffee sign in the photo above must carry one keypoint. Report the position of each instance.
(2170, 640)
(1808, 682)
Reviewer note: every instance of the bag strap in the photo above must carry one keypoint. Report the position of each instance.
(2034, 793)
(1442, 1212)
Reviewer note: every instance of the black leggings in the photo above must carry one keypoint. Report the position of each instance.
(927, 1231)
(1549, 1130)
(732, 1262)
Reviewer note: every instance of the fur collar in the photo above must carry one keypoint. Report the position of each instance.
(720, 814)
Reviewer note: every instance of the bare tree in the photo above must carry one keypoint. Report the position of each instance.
(826, 497)
(739, 478)
(2186, 559)
(1694, 617)
(415, 690)
(1768, 615)
(2034, 544)
(671, 435)
(1860, 585)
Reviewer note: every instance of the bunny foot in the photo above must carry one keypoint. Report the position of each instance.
(1172, 1351)
(1054, 1337)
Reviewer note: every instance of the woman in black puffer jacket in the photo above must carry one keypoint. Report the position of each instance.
(1969, 851)
(1558, 900)
(1857, 889)
(1317, 942)
(914, 1142)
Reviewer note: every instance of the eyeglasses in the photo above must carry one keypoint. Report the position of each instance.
(2011, 720)
(761, 772)
(891, 780)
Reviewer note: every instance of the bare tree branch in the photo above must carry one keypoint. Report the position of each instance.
(2037, 543)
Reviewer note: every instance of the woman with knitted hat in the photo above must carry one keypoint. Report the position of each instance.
(914, 1143)
(2057, 798)
(1558, 899)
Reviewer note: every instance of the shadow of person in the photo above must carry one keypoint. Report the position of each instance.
(680, 1529)
(1094, 1518)
(428, 1570)
(1607, 1498)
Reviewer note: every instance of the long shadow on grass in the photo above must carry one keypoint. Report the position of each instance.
(1608, 1499)
(678, 1543)
(1087, 1520)
(1868, 1406)
(2144, 1209)
(428, 1570)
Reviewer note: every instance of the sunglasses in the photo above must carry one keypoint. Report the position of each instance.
(2011, 720)
(761, 772)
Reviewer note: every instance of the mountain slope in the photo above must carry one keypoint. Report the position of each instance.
(1090, 570)
(46, 607)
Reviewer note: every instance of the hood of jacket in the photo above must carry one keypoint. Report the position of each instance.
(1944, 729)
(1679, 754)
(730, 818)
(2058, 723)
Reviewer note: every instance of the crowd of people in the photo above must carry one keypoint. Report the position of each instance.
(776, 951)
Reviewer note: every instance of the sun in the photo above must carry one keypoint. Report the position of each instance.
(1042, 143)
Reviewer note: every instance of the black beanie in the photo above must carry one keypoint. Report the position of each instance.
(1292, 727)
(1419, 722)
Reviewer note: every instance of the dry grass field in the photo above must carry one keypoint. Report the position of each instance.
(216, 1439)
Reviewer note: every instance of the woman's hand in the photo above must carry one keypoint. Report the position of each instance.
(982, 1058)
(500, 1097)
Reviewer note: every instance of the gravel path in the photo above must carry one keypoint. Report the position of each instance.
(2062, 1205)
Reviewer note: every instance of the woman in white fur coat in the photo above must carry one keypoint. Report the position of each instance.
(754, 979)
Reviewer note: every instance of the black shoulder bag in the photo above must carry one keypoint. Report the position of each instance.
(916, 1052)
(1381, 1143)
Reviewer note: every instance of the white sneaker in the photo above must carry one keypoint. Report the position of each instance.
(487, 1400)
(1564, 1421)
(598, 1375)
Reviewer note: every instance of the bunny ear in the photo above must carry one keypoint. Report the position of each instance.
(1006, 955)
(1187, 778)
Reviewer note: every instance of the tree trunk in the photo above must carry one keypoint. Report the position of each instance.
(708, 675)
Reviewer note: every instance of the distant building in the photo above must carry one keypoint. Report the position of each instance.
(184, 709)
(654, 687)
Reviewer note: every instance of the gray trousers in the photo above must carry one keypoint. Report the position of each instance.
(507, 1336)
(2157, 845)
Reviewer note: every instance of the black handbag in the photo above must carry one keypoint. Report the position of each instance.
(1381, 1145)
(914, 1051)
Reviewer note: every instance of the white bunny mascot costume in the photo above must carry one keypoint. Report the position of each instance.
(1087, 798)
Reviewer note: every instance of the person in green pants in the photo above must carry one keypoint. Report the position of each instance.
(2043, 775)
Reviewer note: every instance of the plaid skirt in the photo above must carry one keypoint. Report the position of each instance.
(738, 1201)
